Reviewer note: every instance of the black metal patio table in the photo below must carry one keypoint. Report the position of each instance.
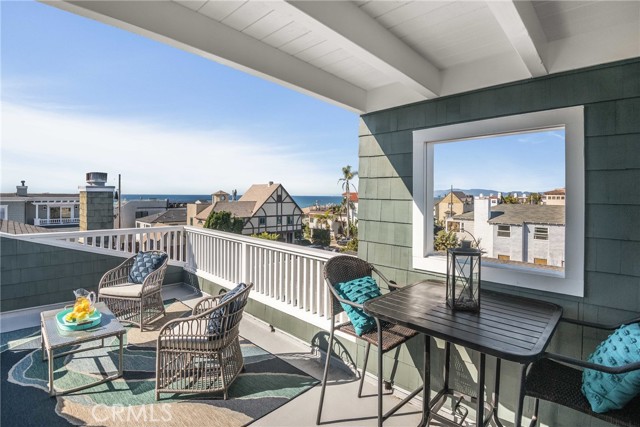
(508, 327)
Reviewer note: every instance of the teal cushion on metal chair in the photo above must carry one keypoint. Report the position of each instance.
(359, 291)
(613, 391)
(145, 264)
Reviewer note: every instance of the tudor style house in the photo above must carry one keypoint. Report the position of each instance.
(263, 208)
(40, 209)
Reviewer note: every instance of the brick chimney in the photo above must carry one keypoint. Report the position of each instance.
(96, 203)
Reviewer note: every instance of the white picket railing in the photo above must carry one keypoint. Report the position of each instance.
(285, 276)
(288, 274)
(56, 221)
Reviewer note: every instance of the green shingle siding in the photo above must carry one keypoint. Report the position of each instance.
(611, 97)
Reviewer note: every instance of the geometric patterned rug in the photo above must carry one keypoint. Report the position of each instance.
(267, 383)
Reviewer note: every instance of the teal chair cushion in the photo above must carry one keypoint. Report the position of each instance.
(359, 291)
(144, 264)
(613, 391)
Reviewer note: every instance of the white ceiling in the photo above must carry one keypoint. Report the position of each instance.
(370, 55)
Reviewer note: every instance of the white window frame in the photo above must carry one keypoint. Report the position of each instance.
(544, 233)
(5, 208)
(508, 231)
(568, 282)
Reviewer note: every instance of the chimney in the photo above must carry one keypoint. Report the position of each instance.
(21, 190)
(96, 203)
(482, 230)
(270, 184)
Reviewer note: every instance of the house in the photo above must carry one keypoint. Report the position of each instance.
(322, 218)
(453, 203)
(263, 208)
(555, 197)
(172, 216)
(40, 209)
(516, 233)
(132, 210)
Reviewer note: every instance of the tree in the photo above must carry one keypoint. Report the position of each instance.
(224, 221)
(509, 200)
(534, 198)
(347, 177)
(445, 240)
(267, 236)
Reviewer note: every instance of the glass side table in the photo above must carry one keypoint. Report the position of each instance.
(54, 339)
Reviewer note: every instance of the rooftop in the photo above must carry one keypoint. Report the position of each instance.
(517, 214)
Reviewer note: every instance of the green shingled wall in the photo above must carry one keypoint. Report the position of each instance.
(611, 97)
(34, 274)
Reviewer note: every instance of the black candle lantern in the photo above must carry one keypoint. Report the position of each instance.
(463, 278)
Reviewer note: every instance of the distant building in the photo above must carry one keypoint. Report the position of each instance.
(40, 209)
(532, 234)
(555, 197)
(263, 208)
(132, 210)
(173, 216)
(14, 227)
(453, 203)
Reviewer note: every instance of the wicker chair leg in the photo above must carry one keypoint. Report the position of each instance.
(141, 314)
(326, 371)
(364, 369)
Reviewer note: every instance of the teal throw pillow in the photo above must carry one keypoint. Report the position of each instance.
(144, 264)
(359, 291)
(612, 391)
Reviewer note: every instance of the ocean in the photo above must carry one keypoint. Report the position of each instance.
(302, 201)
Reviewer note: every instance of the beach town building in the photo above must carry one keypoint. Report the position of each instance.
(453, 203)
(555, 197)
(132, 210)
(40, 209)
(533, 234)
(172, 216)
(263, 208)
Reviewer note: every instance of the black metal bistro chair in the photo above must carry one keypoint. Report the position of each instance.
(558, 379)
(344, 268)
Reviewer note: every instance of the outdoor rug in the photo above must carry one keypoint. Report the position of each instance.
(267, 383)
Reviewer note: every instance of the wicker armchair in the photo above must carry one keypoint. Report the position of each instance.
(344, 268)
(201, 353)
(138, 304)
(558, 379)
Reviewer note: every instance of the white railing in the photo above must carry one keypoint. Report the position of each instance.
(288, 274)
(285, 276)
(56, 221)
(123, 242)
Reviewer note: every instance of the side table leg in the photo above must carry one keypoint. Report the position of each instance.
(380, 372)
(518, 420)
(52, 392)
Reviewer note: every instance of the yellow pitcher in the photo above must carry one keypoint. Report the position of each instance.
(83, 307)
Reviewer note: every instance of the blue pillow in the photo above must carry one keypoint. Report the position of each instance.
(215, 326)
(144, 264)
(359, 291)
(612, 391)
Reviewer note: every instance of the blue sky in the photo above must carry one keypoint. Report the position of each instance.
(532, 162)
(80, 96)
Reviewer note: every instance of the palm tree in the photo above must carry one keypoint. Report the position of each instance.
(347, 177)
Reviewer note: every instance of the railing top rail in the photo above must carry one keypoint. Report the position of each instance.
(92, 233)
(278, 246)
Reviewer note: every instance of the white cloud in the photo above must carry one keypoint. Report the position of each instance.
(53, 148)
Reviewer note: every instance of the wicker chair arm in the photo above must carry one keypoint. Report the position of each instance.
(117, 275)
(154, 280)
(205, 304)
(390, 284)
(606, 327)
(590, 365)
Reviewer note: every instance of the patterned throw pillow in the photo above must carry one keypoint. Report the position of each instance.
(215, 326)
(144, 264)
(612, 391)
(359, 291)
